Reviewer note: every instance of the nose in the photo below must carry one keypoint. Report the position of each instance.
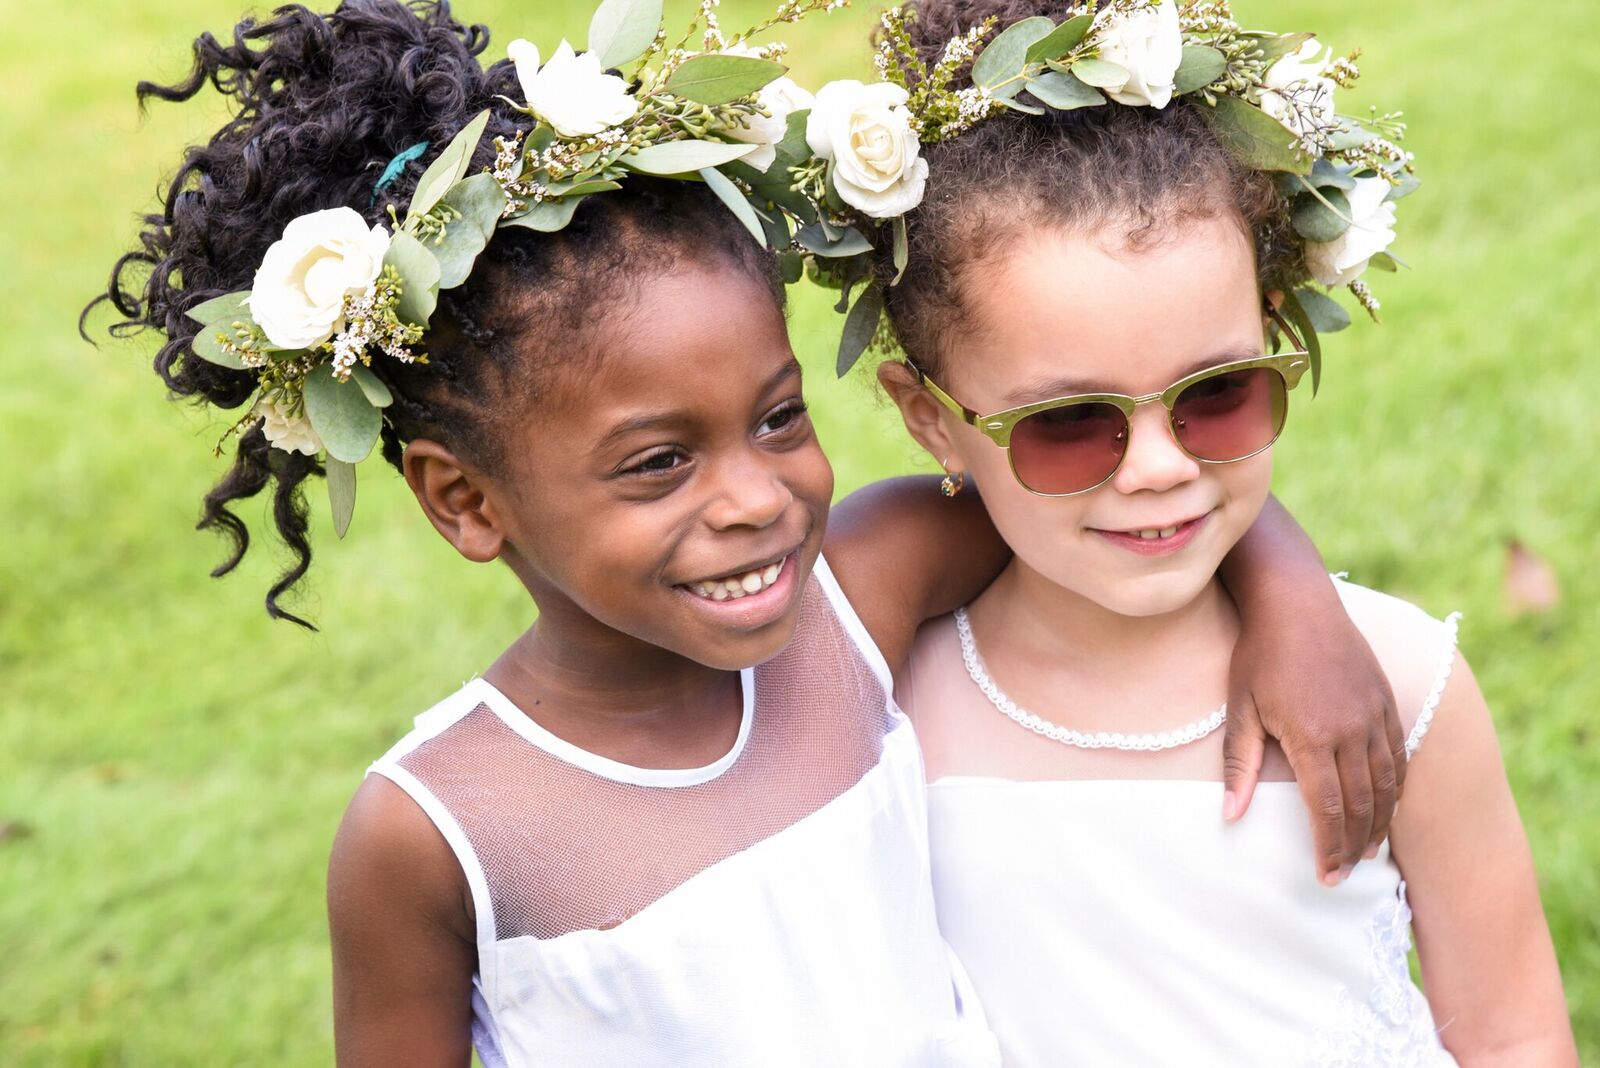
(747, 494)
(1153, 460)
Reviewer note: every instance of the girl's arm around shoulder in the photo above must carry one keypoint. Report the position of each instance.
(1488, 964)
(904, 553)
(404, 948)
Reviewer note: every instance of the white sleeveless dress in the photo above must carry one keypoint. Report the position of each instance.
(1111, 917)
(773, 908)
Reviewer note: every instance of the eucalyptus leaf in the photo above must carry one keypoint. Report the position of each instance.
(449, 168)
(860, 326)
(341, 478)
(851, 242)
(1384, 262)
(1006, 55)
(1201, 65)
(583, 188)
(1015, 105)
(419, 277)
(342, 416)
(729, 194)
(207, 345)
(902, 249)
(547, 216)
(1354, 134)
(1324, 313)
(228, 308)
(792, 265)
(774, 186)
(683, 157)
(622, 30)
(375, 391)
(1408, 184)
(776, 227)
(480, 201)
(1321, 215)
(1061, 40)
(1255, 138)
(1101, 73)
(1308, 333)
(1064, 92)
(1276, 46)
(718, 79)
(1326, 175)
(793, 147)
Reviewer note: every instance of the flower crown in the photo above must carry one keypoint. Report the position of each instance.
(1269, 96)
(331, 295)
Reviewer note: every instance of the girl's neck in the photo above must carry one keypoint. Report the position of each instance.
(1027, 618)
(618, 697)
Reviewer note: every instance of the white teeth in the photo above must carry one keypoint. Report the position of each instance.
(1151, 535)
(745, 585)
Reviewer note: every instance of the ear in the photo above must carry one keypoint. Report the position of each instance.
(453, 502)
(922, 414)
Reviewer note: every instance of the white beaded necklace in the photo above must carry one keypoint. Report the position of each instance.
(1172, 739)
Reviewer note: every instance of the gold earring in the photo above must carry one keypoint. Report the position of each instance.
(954, 482)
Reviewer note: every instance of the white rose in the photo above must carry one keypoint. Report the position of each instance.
(1341, 261)
(291, 433)
(781, 97)
(571, 92)
(1149, 44)
(866, 131)
(1297, 92)
(298, 294)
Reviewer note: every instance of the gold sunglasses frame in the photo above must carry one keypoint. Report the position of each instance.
(1290, 366)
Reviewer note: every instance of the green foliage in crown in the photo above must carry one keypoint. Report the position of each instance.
(1270, 98)
(332, 295)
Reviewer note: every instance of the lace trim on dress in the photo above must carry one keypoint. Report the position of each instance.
(1419, 730)
(1393, 1026)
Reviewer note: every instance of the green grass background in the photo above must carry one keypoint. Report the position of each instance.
(172, 765)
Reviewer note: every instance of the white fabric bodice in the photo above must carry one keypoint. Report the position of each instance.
(1120, 921)
(771, 909)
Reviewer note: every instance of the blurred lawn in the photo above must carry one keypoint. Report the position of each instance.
(172, 766)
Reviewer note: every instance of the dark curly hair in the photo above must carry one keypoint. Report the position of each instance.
(320, 104)
(1140, 168)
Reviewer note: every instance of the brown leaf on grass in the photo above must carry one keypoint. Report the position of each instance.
(10, 830)
(1530, 584)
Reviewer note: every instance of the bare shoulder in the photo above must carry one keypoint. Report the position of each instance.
(1416, 650)
(389, 858)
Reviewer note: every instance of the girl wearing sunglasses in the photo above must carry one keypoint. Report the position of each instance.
(1090, 319)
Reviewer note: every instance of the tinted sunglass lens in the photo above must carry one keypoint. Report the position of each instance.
(1069, 449)
(1230, 416)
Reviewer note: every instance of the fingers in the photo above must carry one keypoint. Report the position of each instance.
(1355, 779)
(1244, 745)
(1380, 764)
(1398, 759)
(1324, 800)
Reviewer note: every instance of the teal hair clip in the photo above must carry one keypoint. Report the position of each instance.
(396, 165)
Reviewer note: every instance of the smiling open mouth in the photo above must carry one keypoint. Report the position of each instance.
(736, 586)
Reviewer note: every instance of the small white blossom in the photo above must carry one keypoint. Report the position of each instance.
(291, 433)
(1146, 41)
(866, 131)
(1341, 261)
(1297, 91)
(571, 92)
(298, 295)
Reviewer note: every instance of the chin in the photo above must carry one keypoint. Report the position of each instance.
(1155, 595)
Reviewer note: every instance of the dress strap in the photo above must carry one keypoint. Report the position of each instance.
(846, 613)
(1446, 662)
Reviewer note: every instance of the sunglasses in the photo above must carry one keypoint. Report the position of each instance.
(1074, 444)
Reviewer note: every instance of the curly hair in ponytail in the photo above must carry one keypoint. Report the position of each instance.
(320, 104)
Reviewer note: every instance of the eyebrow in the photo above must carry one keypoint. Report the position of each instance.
(656, 420)
(1049, 388)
